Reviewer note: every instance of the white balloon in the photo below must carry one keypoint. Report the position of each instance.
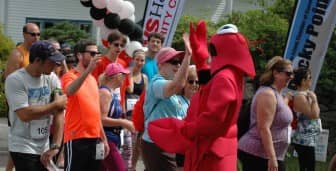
(132, 46)
(127, 10)
(98, 23)
(132, 18)
(105, 32)
(100, 4)
(114, 6)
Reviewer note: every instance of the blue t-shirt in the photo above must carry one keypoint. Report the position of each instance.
(157, 106)
(150, 68)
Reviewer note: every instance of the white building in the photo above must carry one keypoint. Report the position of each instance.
(15, 13)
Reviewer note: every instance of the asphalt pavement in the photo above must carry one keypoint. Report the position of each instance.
(4, 146)
(3, 143)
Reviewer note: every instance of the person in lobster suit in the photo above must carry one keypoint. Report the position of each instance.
(208, 135)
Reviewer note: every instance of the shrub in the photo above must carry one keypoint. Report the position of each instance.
(65, 32)
(6, 45)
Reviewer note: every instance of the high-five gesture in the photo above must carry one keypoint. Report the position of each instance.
(188, 50)
(199, 46)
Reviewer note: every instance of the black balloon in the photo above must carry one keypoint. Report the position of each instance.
(97, 14)
(137, 33)
(86, 3)
(112, 21)
(126, 26)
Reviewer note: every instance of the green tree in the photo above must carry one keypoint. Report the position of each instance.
(265, 31)
(6, 45)
(183, 26)
(283, 8)
(64, 32)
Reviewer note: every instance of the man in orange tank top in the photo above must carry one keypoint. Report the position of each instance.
(19, 56)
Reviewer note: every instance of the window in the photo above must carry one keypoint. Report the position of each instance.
(44, 23)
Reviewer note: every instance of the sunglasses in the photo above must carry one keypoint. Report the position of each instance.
(193, 82)
(174, 62)
(92, 53)
(33, 34)
(118, 45)
(288, 73)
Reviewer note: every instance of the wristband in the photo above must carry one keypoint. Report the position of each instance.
(54, 146)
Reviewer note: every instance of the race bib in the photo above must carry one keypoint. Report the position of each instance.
(39, 129)
(130, 104)
(99, 151)
(289, 134)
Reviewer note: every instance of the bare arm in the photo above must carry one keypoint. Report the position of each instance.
(76, 84)
(130, 87)
(307, 105)
(145, 81)
(266, 108)
(104, 139)
(58, 123)
(177, 84)
(332, 165)
(13, 63)
(37, 111)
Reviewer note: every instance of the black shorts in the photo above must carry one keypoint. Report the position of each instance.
(79, 155)
(27, 162)
(180, 160)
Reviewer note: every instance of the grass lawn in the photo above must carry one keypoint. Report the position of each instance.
(292, 164)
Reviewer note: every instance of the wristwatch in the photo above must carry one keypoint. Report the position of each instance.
(54, 146)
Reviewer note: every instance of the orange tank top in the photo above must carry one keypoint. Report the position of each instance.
(25, 55)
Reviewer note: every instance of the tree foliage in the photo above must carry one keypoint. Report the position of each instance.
(65, 32)
(267, 29)
(6, 45)
(183, 26)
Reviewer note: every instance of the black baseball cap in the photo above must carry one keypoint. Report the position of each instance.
(45, 50)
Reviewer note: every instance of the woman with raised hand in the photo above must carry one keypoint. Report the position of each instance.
(162, 101)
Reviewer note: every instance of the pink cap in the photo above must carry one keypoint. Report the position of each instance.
(167, 53)
(115, 68)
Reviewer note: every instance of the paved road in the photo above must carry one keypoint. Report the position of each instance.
(4, 146)
(3, 143)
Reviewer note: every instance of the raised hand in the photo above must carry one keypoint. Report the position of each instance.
(199, 46)
(188, 50)
(93, 63)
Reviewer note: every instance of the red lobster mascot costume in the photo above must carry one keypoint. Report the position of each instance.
(208, 135)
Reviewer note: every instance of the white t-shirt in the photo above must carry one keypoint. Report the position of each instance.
(23, 90)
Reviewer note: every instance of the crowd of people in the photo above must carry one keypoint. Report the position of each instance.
(76, 109)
